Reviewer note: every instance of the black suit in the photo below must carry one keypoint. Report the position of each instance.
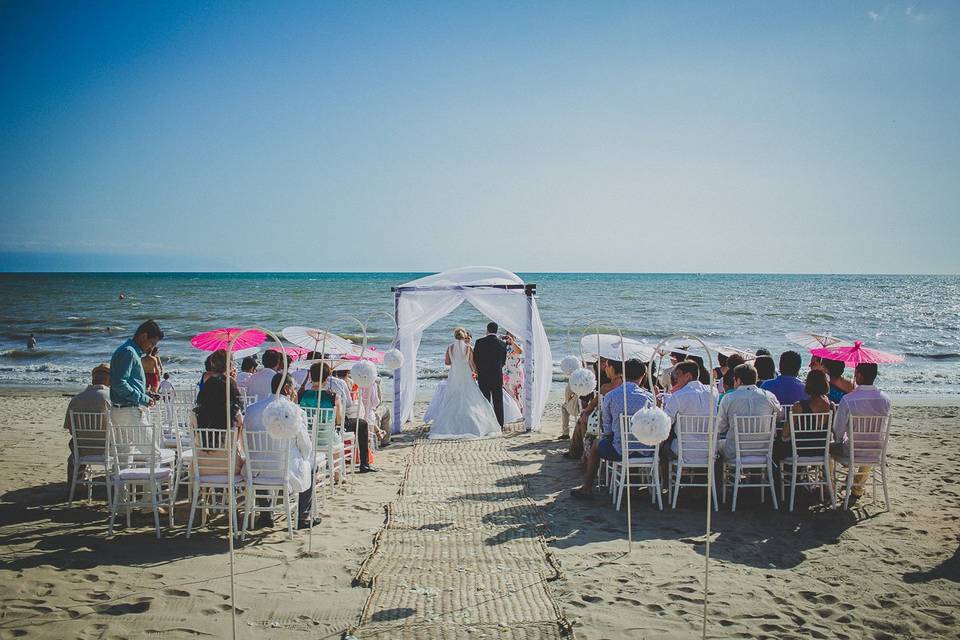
(490, 354)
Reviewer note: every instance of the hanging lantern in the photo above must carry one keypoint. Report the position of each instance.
(364, 373)
(583, 381)
(393, 359)
(569, 364)
(650, 425)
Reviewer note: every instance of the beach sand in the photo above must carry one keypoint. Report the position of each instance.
(867, 573)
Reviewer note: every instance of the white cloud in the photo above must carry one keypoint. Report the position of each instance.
(874, 16)
(915, 15)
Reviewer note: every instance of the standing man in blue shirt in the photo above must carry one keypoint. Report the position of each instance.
(608, 445)
(128, 382)
(787, 386)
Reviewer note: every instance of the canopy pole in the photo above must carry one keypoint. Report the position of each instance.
(397, 407)
(528, 383)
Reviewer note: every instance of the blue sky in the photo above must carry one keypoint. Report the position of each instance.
(562, 136)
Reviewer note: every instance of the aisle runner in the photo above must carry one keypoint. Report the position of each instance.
(462, 553)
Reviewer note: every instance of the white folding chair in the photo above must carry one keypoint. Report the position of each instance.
(753, 438)
(693, 449)
(89, 440)
(211, 479)
(179, 415)
(810, 451)
(247, 399)
(635, 471)
(266, 472)
(867, 447)
(141, 478)
(327, 446)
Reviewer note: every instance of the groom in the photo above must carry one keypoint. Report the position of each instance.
(489, 355)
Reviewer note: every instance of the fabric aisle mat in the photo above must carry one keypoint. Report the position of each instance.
(461, 552)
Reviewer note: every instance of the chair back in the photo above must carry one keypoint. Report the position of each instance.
(320, 427)
(785, 411)
(754, 436)
(868, 439)
(133, 447)
(267, 457)
(693, 444)
(810, 435)
(211, 456)
(630, 445)
(89, 433)
(247, 399)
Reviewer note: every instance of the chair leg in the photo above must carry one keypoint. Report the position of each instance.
(676, 486)
(156, 511)
(829, 482)
(193, 508)
(88, 470)
(286, 507)
(655, 470)
(113, 511)
(883, 481)
(736, 487)
(793, 484)
(73, 484)
(773, 493)
(723, 474)
(849, 484)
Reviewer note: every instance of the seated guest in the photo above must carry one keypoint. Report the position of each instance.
(300, 467)
(666, 374)
(721, 366)
(704, 372)
(815, 400)
(315, 396)
(864, 400)
(839, 386)
(692, 397)
(745, 400)
(734, 360)
(787, 386)
(608, 445)
(248, 366)
(94, 399)
(569, 407)
(260, 383)
(320, 380)
(763, 351)
(726, 385)
(589, 404)
(765, 369)
(211, 409)
(338, 385)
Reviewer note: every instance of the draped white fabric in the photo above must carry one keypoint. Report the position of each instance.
(418, 309)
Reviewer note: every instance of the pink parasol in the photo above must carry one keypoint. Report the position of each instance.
(220, 338)
(295, 353)
(856, 354)
(371, 354)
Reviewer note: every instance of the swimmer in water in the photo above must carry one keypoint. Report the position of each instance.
(31, 343)
(121, 296)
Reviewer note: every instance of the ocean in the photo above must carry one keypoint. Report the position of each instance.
(79, 318)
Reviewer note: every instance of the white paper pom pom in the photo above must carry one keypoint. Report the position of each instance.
(569, 364)
(281, 418)
(583, 382)
(363, 373)
(650, 425)
(393, 359)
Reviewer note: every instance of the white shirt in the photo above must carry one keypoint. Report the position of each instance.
(338, 387)
(746, 400)
(166, 389)
(242, 378)
(692, 399)
(260, 382)
(299, 467)
(865, 400)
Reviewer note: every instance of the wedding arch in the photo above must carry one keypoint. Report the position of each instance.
(496, 293)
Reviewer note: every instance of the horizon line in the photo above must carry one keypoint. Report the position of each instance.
(547, 272)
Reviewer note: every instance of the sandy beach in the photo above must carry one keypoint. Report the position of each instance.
(867, 573)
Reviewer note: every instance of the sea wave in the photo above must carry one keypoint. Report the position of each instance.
(934, 356)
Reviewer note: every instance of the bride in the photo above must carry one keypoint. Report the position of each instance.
(464, 412)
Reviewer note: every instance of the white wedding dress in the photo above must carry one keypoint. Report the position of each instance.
(465, 414)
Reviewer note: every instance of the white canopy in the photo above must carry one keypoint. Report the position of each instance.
(498, 294)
